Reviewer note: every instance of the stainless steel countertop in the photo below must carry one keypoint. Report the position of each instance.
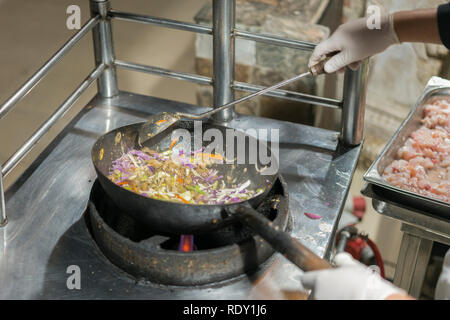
(46, 233)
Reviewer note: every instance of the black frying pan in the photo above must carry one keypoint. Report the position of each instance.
(178, 218)
(175, 217)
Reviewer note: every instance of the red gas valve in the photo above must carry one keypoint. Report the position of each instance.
(357, 207)
(360, 247)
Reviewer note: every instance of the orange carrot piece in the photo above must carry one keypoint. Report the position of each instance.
(216, 156)
(173, 143)
(182, 199)
(160, 122)
(210, 155)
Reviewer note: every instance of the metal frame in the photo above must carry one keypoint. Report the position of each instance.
(412, 263)
(104, 49)
(420, 231)
(224, 35)
(414, 256)
(223, 56)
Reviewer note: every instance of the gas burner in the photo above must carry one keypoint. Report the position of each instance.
(159, 258)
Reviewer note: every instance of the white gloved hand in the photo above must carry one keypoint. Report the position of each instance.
(351, 280)
(354, 42)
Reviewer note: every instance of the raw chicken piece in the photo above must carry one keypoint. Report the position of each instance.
(427, 163)
(437, 115)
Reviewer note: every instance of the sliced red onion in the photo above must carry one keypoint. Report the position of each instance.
(313, 216)
(114, 168)
(199, 150)
(216, 178)
(140, 154)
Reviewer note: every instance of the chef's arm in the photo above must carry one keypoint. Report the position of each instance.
(399, 297)
(359, 39)
(417, 26)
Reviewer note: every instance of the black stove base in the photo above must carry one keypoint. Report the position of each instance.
(149, 255)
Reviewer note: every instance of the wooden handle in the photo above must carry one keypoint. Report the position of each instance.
(282, 242)
(319, 67)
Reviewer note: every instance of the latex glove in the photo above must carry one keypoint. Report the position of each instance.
(354, 42)
(351, 280)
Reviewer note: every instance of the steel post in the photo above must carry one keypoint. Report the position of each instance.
(104, 49)
(354, 103)
(223, 56)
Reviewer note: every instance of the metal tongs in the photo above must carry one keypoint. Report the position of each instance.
(159, 123)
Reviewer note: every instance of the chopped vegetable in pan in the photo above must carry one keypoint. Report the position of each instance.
(189, 180)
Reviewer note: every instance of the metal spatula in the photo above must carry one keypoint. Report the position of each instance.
(159, 123)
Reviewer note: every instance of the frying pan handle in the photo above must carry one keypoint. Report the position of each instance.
(282, 242)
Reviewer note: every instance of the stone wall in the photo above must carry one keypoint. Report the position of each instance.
(271, 2)
(353, 9)
(264, 64)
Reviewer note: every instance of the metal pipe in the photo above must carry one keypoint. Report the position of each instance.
(354, 103)
(192, 27)
(3, 217)
(42, 72)
(263, 91)
(163, 72)
(281, 94)
(223, 56)
(104, 49)
(343, 240)
(168, 23)
(291, 95)
(58, 114)
(274, 40)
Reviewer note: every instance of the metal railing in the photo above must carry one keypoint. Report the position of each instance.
(224, 34)
(44, 70)
(6, 168)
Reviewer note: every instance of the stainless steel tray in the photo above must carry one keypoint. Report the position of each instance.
(437, 88)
